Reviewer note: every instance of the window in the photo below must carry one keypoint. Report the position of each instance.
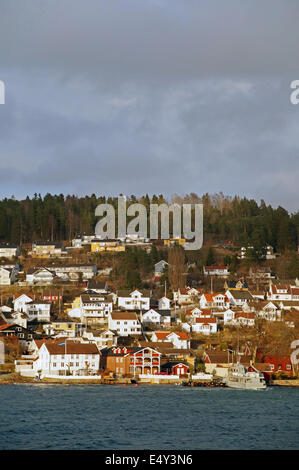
(288, 367)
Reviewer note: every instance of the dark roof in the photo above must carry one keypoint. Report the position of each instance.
(97, 285)
(48, 243)
(233, 284)
(225, 357)
(41, 268)
(86, 298)
(241, 294)
(123, 316)
(72, 347)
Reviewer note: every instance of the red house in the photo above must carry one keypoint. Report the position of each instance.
(279, 363)
(52, 297)
(180, 369)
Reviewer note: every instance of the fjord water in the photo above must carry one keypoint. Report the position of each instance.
(104, 417)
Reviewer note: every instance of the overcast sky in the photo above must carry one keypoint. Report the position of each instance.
(156, 96)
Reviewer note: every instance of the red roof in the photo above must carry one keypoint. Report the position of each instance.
(6, 325)
(71, 347)
(182, 335)
(206, 311)
(162, 334)
(206, 320)
(209, 297)
(215, 267)
(248, 315)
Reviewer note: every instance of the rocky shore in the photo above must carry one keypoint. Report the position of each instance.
(15, 378)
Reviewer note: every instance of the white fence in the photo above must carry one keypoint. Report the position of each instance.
(71, 377)
(158, 376)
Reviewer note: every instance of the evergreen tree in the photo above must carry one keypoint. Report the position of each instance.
(210, 257)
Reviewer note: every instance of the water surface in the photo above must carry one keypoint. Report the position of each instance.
(43, 416)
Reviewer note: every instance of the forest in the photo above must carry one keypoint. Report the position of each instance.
(57, 217)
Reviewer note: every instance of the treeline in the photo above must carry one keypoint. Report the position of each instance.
(59, 217)
(134, 265)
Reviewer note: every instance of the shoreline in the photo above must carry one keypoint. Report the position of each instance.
(16, 379)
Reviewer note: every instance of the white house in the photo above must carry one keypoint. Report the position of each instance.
(9, 251)
(39, 276)
(221, 271)
(228, 316)
(38, 310)
(196, 312)
(7, 276)
(244, 319)
(238, 297)
(160, 267)
(206, 326)
(270, 312)
(124, 323)
(68, 357)
(135, 300)
(180, 340)
(295, 293)
(280, 292)
(151, 317)
(105, 339)
(214, 300)
(164, 303)
(16, 318)
(95, 307)
(46, 249)
(186, 296)
(73, 272)
(20, 302)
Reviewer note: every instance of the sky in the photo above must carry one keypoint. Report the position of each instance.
(155, 96)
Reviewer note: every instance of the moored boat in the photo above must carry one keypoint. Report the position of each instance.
(240, 377)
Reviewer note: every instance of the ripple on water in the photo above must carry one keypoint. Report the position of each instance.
(150, 417)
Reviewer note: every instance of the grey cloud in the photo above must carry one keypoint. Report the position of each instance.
(157, 96)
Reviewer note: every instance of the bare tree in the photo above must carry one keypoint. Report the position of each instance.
(176, 267)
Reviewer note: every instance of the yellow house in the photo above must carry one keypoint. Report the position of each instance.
(65, 326)
(74, 304)
(173, 241)
(98, 246)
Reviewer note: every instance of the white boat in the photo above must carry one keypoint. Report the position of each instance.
(239, 377)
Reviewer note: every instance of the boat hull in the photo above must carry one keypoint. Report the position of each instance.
(246, 385)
